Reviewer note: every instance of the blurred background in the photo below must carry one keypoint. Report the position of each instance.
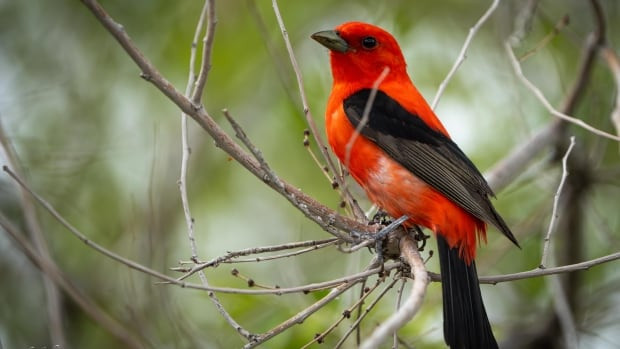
(103, 147)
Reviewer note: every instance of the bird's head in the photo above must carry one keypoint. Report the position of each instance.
(360, 50)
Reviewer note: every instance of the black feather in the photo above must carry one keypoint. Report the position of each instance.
(427, 153)
(466, 325)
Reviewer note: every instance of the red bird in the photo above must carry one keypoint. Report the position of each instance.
(406, 162)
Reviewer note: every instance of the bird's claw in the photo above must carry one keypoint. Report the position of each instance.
(380, 236)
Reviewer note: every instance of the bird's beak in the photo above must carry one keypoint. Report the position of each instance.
(331, 40)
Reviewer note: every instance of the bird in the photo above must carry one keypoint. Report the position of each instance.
(391, 142)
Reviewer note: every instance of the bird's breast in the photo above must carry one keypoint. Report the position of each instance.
(384, 180)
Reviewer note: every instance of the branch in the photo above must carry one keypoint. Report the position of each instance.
(399, 292)
(346, 314)
(463, 54)
(301, 316)
(411, 256)
(345, 283)
(556, 201)
(496, 279)
(271, 176)
(357, 211)
(314, 245)
(325, 217)
(357, 322)
(141, 268)
(365, 115)
(186, 151)
(541, 97)
(207, 48)
(207, 10)
(507, 169)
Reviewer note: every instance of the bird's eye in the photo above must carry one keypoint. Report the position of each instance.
(369, 42)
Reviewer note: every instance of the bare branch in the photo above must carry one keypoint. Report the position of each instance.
(523, 21)
(463, 54)
(345, 283)
(139, 267)
(254, 150)
(207, 48)
(254, 250)
(186, 151)
(345, 314)
(285, 255)
(357, 322)
(200, 82)
(325, 217)
(495, 279)
(301, 316)
(508, 168)
(410, 254)
(357, 211)
(365, 115)
(399, 298)
(556, 201)
(547, 39)
(541, 97)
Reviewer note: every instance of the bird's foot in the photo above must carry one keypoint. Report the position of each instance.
(381, 235)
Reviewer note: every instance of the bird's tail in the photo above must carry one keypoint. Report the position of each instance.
(465, 322)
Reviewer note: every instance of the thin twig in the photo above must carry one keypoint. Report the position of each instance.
(185, 149)
(357, 322)
(251, 282)
(359, 246)
(541, 97)
(346, 314)
(358, 331)
(357, 211)
(463, 54)
(284, 255)
(496, 279)
(301, 316)
(398, 300)
(523, 21)
(556, 30)
(253, 250)
(365, 115)
(556, 201)
(410, 254)
(277, 58)
(207, 49)
(316, 160)
(253, 149)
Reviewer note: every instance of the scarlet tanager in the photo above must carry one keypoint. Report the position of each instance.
(406, 162)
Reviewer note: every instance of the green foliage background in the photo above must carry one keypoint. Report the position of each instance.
(103, 146)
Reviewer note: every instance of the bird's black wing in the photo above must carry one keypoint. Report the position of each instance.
(427, 153)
